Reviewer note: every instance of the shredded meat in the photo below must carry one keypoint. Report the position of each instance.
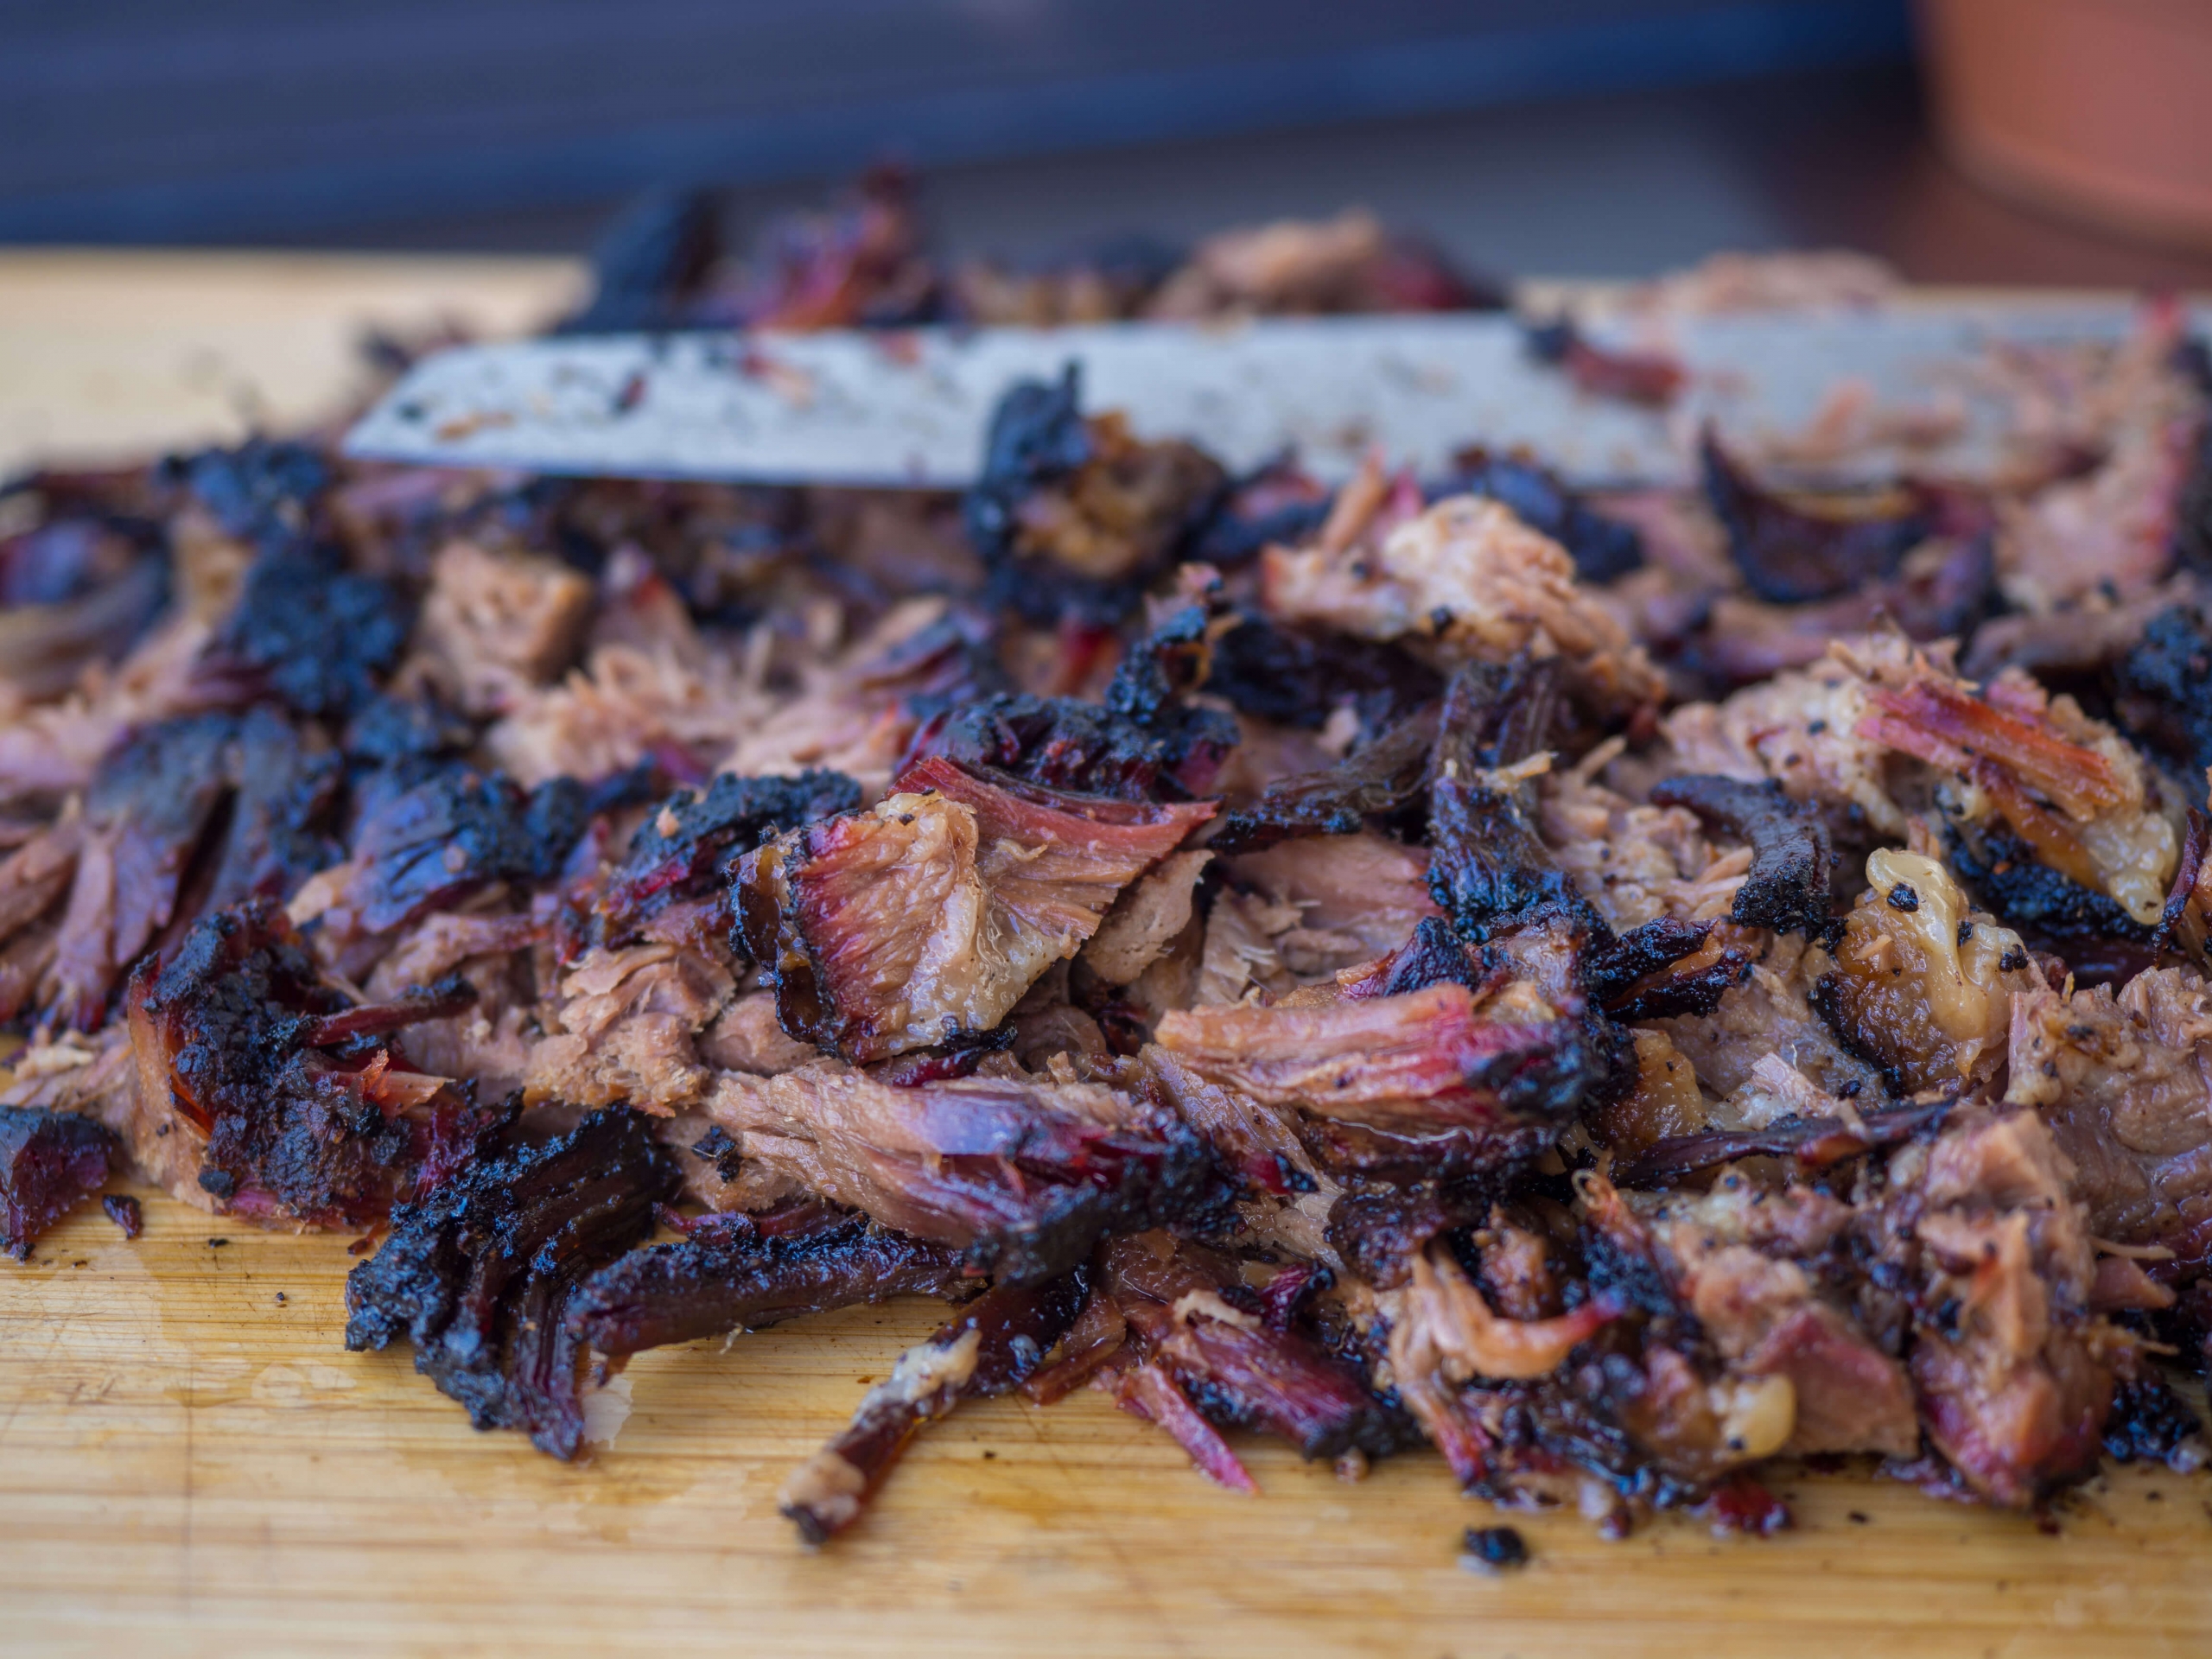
(1022, 1177)
(1297, 959)
(932, 913)
(1474, 583)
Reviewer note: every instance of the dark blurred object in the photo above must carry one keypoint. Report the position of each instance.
(2101, 108)
(247, 119)
(867, 263)
(650, 263)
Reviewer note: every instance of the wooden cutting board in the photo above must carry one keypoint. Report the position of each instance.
(190, 1461)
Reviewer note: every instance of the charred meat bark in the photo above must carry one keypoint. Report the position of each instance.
(480, 1275)
(1299, 676)
(1145, 742)
(741, 1273)
(452, 835)
(681, 848)
(49, 1162)
(1072, 517)
(1789, 554)
(151, 803)
(1489, 865)
(282, 1099)
(322, 638)
(1384, 778)
(2164, 685)
(1787, 888)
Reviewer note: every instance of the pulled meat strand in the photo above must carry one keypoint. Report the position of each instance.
(993, 1346)
(1810, 1143)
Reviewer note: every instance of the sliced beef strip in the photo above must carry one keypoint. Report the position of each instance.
(1188, 1312)
(478, 1276)
(1020, 1177)
(49, 1162)
(741, 1273)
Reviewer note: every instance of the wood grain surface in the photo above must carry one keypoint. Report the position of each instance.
(189, 1462)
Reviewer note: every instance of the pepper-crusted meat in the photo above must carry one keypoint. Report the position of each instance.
(281, 1097)
(739, 1273)
(480, 1275)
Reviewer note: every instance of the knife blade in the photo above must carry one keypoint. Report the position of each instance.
(910, 407)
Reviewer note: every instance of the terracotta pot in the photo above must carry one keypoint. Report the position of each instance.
(2101, 107)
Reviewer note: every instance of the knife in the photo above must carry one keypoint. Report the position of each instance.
(909, 408)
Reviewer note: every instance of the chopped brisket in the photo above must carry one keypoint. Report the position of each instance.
(2164, 684)
(2014, 1375)
(993, 1346)
(49, 1163)
(1073, 517)
(1382, 780)
(684, 844)
(1789, 553)
(1811, 1143)
(263, 491)
(932, 913)
(1463, 579)
(731, 1275)
(1604, 549)
(1787, 888)
(1189, 1312)
(281, 815)
(1299, 676)
(151, 802)
(1489, 865)
(1431, 1060)
(2121, 1079)
(480, 1275)
(452, 835)
(322, 638)
(1144, 743)
(283, 1099)
(1020, 1177)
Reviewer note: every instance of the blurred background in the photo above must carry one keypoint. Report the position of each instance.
(1594, 137)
